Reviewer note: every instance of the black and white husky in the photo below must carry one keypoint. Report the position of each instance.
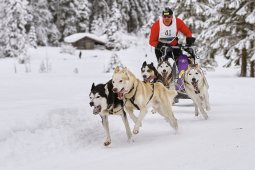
(150, 74)
(106, 103)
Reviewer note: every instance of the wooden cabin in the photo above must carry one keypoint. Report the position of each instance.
(84, 40)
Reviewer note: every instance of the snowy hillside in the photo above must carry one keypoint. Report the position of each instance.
(47, 123)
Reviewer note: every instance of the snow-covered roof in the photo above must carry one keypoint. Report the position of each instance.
(75, 37)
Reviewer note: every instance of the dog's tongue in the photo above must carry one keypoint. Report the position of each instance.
(194, 83)
(120, 96)
(150, 79)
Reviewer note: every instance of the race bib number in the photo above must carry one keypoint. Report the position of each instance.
(168, 32)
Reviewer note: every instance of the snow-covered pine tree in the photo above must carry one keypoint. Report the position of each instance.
(2, 33)
(16, 16)
(112, 27)
(69, 20)
(231, 32)
(124, 11)
(99, 17)
(32, 37)
(114, 62)
(64, 16)
(75, 16)
(133, 24)
(152, 11)
(46, 30)
(83, 12)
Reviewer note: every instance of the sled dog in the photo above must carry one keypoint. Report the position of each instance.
(167, 72)
(150, 74)
(196, 87)
(141, 95)
(106, 103)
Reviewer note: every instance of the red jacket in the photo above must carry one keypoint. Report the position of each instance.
(180, 27)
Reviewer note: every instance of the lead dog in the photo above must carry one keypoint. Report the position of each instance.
(141, 95)
(196, 87)
(106, 103)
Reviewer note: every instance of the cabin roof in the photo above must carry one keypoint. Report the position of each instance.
(77, 36)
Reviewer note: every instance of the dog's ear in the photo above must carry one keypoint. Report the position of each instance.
(126, 76)
(117, 69)
(152, 64)
(160, 60)
(189, 66)
(144, 63)
(93, 86)
(124, 70)
(106, 90)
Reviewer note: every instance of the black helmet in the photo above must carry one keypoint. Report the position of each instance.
(167, 12)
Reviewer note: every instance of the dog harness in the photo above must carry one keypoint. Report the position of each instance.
(132, 99)
(197, 91)
(110, 109)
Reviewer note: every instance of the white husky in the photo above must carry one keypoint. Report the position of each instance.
(141, 95)
(196, 87)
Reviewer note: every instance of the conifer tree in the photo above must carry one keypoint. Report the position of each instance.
(83, 12)
(113, 26)
(231, 32)
(2, 33)
(45, 28)
(32, 37)
(15, 13)
(100, 16)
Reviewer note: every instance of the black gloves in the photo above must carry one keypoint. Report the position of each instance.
(159, 45)
(190, 41)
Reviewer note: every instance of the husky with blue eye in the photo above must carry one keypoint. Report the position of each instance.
(196, 87)
(106, 103)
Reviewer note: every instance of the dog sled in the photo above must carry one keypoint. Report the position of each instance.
(180, 64)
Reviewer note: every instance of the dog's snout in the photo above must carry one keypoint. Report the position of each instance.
(91, 104)
(115, 90)
(193, 79)
(144, 76)
(164, 71)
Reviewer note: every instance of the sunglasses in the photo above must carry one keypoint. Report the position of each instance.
(167, 16)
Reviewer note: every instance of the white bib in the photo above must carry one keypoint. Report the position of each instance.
(167, 31)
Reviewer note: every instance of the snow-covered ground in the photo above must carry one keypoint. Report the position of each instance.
(47, 123)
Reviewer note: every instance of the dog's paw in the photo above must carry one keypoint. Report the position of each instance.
(208, 108)
(176, 100)
(107, 143)
(131, 140)
(205, 116)
(153, 111)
